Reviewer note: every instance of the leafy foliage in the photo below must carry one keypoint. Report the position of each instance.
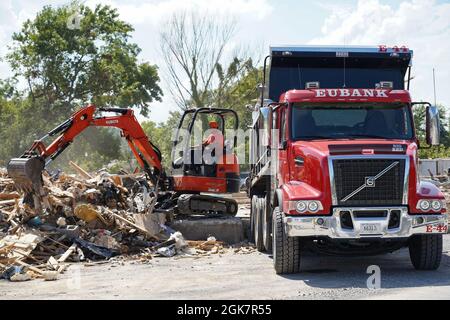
(161, 135)
(65, 68)
(93, 63)
(442, 151)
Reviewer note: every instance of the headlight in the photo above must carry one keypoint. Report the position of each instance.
(430, 205)
(313, 206)
(301, 206)
(436, 205)
(424, 205)
(306, 206)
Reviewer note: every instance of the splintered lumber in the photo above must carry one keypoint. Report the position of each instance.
(7, 202)
(204, 245)
(57, 264)
(68, 252)
(39, 271)
(9, 196)
(81, 171)
(26, 243)
(53, 263)
(115, 215)
(164, 244)
(7, 213)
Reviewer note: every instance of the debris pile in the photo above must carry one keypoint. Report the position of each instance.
(84, 218)
(89, 218)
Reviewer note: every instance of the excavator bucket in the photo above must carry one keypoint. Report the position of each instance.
(26, 173)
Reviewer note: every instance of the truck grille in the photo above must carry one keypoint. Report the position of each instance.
(384, 189)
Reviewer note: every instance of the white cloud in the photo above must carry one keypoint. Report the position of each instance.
(422, 25)
(12, 15)
(9, 24)
(154, 12)
(148, 16)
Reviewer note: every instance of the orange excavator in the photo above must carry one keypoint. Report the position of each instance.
(187, 183)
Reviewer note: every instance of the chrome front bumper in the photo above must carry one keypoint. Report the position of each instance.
(332, 227)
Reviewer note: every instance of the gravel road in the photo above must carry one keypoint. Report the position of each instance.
(241, 276)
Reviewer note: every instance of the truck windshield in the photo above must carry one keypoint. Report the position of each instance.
(342, 121)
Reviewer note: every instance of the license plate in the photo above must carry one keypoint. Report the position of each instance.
(370, 228)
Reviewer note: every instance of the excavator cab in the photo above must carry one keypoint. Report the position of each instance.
(203, 159)
(204, 164)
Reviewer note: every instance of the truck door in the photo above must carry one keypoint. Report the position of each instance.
(283, 169)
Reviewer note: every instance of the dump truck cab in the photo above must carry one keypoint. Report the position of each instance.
(338, 169)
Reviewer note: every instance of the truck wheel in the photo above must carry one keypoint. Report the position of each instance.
(425, 251)
(286, 250)
(253, 213)
(267, 225)
(232, 207)
(258, 226)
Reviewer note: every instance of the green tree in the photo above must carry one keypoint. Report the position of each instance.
(443, 150)
(90, 62)
(238, 88)
(161, 135)
(66, 67)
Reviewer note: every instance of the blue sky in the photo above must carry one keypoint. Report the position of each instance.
(423, 25)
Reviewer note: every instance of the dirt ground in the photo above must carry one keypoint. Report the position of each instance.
(241, 276)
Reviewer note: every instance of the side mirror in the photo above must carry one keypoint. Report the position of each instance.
(432, 126)
(283, 145)
(260, 87)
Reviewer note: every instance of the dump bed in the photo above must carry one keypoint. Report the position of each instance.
(291, 67)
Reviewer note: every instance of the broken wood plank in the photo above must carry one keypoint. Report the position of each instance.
(81, 171)
(9, 196)
(164, 244)
(5, 203)
(53, 263)
(129, 222)
(66, 254)
(56, 241)
(7, 213)
(30, 267)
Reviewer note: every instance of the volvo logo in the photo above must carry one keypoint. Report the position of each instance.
(369, 182)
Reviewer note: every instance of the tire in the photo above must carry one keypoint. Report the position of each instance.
(232, 207)
(267, 225)
(286, 250)
(425, 251)
(253, 213)
(258, 226)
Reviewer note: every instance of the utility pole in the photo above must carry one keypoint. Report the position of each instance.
(434, 86)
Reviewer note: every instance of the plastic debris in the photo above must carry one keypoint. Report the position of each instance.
(167, 251)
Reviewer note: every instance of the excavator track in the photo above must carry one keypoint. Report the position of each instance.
(199, 204)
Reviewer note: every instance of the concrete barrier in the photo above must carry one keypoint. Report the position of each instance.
(230, 230)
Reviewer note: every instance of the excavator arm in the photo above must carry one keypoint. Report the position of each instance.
(26, 171)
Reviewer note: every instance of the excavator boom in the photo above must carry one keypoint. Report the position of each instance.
(185, 185)
(26, 171)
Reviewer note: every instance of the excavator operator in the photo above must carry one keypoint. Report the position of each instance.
(215, 137)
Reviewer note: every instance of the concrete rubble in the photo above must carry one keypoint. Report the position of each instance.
(89, 218)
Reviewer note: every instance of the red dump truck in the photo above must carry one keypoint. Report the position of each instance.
(334, 158)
